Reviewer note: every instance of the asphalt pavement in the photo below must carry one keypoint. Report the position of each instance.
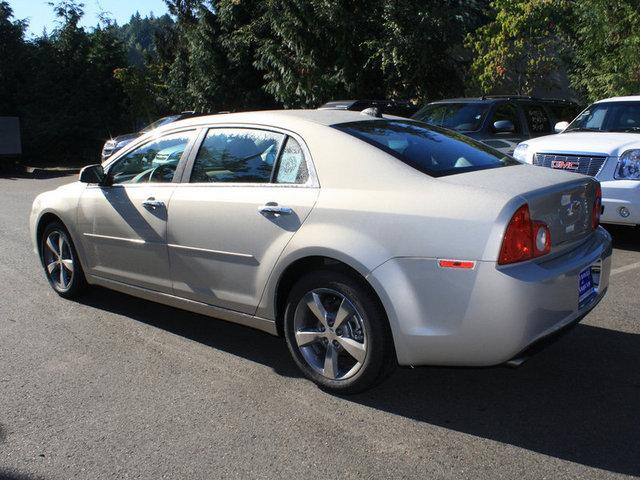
(116, 387)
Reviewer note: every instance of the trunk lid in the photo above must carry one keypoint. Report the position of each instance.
(562, 200)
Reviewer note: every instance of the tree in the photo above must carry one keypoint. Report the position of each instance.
(520, 48)
(14, 73)
(417, 46)
(607, 48)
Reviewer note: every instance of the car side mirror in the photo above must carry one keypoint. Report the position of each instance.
(92, 174)
(561, 127)
(504, 126)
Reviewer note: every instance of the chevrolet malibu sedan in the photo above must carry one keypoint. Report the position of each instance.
(365, 242)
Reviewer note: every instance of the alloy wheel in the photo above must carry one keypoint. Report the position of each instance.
(58, 260)
(330, 333)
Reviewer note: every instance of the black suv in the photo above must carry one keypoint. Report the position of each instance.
(398, 108)
(499, 121)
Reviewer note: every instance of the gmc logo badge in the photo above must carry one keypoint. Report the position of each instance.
(564, 165)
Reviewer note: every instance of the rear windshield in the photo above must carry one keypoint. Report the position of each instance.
(431, 150)
(462, 117)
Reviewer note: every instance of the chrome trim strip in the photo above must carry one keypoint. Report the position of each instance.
(219, 313)
(139, 241)
(214, 252)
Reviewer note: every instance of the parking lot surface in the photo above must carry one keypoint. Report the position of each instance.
(117, 387)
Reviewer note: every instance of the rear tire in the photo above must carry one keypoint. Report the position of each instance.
(60, 261)
(337, 332)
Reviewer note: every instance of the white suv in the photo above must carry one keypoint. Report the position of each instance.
(604, 142)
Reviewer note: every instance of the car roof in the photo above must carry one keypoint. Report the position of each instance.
(496, 98)
(278, 118)
(630, 98)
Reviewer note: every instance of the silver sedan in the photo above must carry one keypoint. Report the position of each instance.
(366, 242)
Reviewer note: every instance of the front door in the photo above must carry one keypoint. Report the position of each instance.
(248, 193)
(506, 142)
(123, 224)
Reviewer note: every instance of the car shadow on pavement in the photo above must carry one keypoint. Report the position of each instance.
(578, 400)
(229, 337)
(625, 238)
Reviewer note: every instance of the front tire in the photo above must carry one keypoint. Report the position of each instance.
(337, 332)
(60, 260)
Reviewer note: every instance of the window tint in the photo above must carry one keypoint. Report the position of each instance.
(463, 117)
(431, 150)
(292, 167)
(508, 111)
(537, 119)
(154, 161)
(236, 155)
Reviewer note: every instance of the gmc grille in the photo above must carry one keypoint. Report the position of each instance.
(574, 163)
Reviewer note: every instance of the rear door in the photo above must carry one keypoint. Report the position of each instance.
(245, 193)
(124, 223)
(537, 118)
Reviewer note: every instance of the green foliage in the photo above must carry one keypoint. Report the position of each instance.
(418, 46)
(139, 35)
(519, 49)
(14, 73)
(74, 88)
(607, 48)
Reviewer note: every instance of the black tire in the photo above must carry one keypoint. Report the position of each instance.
(379, 358)
(77, 282)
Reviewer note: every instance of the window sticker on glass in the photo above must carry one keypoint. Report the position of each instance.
(292, 168)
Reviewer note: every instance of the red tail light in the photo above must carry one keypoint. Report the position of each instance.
(597, 208)
(524, 239)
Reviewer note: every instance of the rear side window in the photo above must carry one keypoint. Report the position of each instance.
(537, 119)
(562, 112)
(237, 155)
(292, 166)
(431, 150)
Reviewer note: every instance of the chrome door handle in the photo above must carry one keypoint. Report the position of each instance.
(152, 203)
(275, 210)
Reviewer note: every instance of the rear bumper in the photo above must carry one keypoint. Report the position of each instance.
(617, 194)
(488, 315)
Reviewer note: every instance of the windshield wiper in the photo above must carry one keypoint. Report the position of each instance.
(583, 129)
(627, 129)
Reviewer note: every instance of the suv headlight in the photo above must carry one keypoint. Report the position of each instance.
(520, 153)
(628, 166)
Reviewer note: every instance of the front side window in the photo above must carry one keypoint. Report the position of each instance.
(431, 150)
(537, 119)
(462, 117)
(237, 155)
(509, 112)
(608, 117)
(153, 162)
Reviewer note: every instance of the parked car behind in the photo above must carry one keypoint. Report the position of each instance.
(112, 145)
(364, 241)
(604, 142)
(499, 121)
(387, 107)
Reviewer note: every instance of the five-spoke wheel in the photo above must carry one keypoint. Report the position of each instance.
(60, 261)
(330, 333)
(337, 331)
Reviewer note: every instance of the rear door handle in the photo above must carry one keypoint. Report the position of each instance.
(274, 209)
(151, 203)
